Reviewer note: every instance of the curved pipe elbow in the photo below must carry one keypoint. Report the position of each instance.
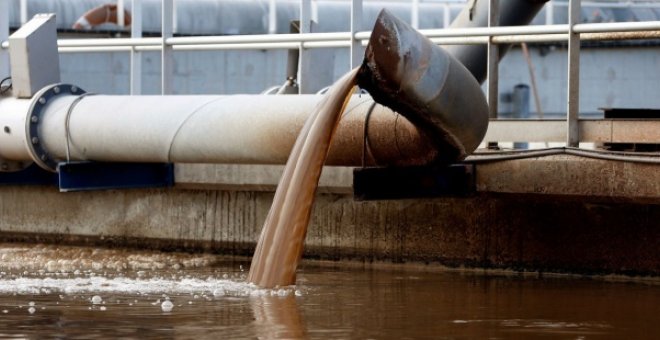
(408, 73)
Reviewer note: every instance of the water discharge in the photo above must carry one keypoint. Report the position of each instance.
(281, 242)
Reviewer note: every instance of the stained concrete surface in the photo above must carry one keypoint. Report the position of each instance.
(523, 232)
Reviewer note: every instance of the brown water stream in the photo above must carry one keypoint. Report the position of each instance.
(281, 242)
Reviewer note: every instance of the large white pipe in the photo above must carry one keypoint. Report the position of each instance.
(202, 129)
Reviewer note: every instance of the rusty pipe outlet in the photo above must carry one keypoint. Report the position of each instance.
(405, 71)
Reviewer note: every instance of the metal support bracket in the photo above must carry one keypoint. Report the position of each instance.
(413, 182)
(85, 176)
(39, 154)
(31, 175)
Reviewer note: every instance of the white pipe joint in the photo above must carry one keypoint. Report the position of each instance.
(47, 96)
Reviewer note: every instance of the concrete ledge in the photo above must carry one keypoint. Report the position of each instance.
(553, 175)
(531, 233)
(572, 176)
(244, 177)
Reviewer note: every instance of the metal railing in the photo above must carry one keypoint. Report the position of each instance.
(572, 33)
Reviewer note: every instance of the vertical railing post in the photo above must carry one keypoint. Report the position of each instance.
(493, 64)
(446, 15)
(356, 25)
(305, 27)
(23, 11)
(549, 12)
(272, 17)
(167, 62)
(121, 21)
(4, 36)
(572, 112)
(175, 18)
(414, 14)
(136, 56)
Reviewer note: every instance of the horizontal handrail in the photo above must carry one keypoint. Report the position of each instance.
(476, 35)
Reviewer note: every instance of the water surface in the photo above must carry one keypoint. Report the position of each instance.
(70, 292)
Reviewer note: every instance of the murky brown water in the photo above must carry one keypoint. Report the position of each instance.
(210, 300)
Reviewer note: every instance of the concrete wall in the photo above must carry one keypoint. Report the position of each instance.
(523, 232)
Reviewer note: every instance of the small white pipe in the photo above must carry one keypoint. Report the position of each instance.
(617, 27)
(259, 38)
(127, 42)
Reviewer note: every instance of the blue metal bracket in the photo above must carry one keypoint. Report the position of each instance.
(413, 182)
(81, 176)
(32, 175)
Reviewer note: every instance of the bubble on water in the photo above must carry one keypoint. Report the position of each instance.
(5, 311)
(225, 276)
(190, 302)
(283, 292)
(77, 272)
(155, 303)
(219, 292)
(96, 300)
(196, 296)
(31, 304)
(167, 306)
(298, 293)
(103, 308)
(31, 310)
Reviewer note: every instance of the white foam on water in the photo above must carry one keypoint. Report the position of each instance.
(167, 306)
(123, 285)
(96, 299)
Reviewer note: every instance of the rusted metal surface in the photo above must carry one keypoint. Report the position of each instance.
(407, 72)
(620, 35)
(391, 139)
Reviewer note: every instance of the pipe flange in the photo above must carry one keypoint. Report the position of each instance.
(37, 151)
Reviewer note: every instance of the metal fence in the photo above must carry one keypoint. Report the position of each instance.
(355, 39)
